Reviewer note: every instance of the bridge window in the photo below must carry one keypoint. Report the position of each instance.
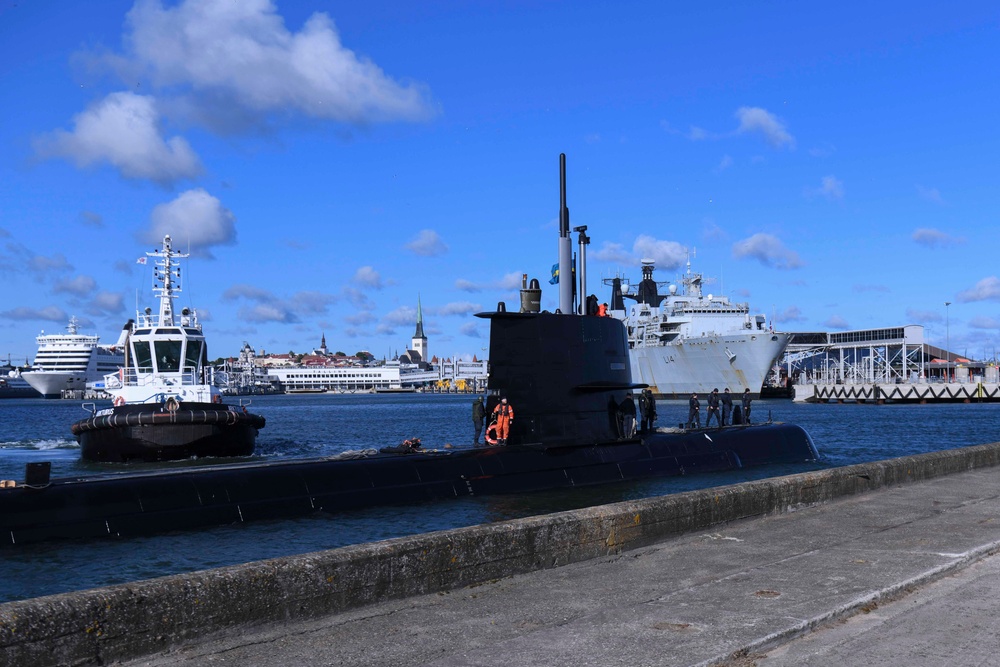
(168, 355)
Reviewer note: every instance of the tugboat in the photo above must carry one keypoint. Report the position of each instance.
(164, 406)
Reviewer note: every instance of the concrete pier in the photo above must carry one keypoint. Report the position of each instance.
(708, 577)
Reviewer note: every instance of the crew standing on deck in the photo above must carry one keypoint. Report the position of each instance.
(694, 412)
(628, 416)
(602, 310)
(643, 407)
(504, 416)
(650, 419)
(713, 408)
(727, 406)
(478, 415)
(746, 405)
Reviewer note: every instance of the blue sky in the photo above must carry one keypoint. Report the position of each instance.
(326, 163)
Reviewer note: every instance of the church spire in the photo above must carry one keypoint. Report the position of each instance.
(420, 321)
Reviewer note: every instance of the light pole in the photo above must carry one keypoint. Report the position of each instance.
(947, 339)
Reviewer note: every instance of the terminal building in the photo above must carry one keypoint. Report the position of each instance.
(891, 364)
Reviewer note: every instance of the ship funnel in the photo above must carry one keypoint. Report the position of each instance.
(531, 296)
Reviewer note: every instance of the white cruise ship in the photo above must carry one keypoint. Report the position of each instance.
(72, 360)
(683, 342)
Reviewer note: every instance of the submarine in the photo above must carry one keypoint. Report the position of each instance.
(566, 373)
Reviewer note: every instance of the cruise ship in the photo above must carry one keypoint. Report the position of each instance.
(72, 360)
(683, 342)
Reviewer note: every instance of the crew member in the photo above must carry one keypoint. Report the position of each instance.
(643, 408)
(713, 408)
(746, 405)
(602, 310)
(628, 416)
(694, 412)
(478, 415)
(727, 406)
(504, 414)
(650, 419)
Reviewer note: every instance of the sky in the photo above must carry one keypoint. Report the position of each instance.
(329, 164)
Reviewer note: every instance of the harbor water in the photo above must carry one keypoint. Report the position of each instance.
(303, 426)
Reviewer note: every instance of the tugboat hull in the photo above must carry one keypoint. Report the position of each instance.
(150, 433)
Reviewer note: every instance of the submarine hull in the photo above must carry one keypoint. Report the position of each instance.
(137, 504)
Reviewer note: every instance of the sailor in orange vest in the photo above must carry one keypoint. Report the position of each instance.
(602, 310)
(504, 416)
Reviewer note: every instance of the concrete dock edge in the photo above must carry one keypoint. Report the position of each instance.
(130, 620)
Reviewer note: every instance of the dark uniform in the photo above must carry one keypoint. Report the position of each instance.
(650, 418)
(643, 407)
(478, 415)
(713, 408)
(694, 412)
(727, 406)
(746, 406)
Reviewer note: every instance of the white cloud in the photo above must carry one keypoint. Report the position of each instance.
(696, 133)
(470, 329)
(613, 253)
(836, 322)
(111, 302)
(457, 308)
(830, 187)
(123, 130)
(468, 285)
(43, 265)
(790, 314)
(400, 316)
(725, 163)
(924, 316)
(427, 243)
(768, 250)
(368, 277)
(987, 289)
(268, 307)
(80, 285)
(357, 298)
(236, 63)
(762, 121)
(49, 313)
(870, 288)
(195, 220)
(935, 238)
(311, 302)
(666, 254)
(984, 322)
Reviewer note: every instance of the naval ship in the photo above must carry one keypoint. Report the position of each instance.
(684, 342)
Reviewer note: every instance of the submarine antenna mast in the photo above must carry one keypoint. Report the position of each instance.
(565, 245)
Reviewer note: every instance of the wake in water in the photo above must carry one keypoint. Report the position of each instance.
(40, 444)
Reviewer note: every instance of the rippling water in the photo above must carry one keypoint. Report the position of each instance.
(319, 425)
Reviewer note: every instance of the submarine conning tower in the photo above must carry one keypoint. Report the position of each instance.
(564, 374)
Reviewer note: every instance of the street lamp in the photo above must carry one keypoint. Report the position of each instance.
(947, 339)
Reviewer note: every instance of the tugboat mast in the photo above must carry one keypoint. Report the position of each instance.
(166, 280)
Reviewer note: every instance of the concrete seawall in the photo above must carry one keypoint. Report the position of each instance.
(126, 621)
